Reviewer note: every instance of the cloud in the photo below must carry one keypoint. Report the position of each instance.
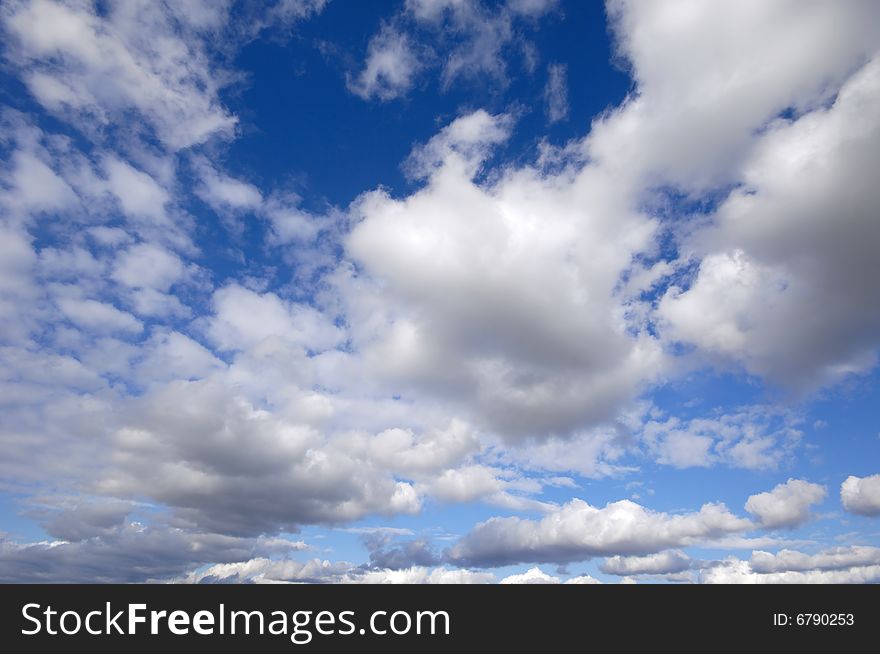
(93, 68)
(268, 571)
(593, 453)
(534, 576)
(404, 555)
(93, 190)
(244, 319)
(170, 355)
(416, 454)
(792, 136)
(479, 34)
(224, 465)
(454, 342)
(148, 266)
(222, 192)
(469, 139)
(529, 577)
(467, 40)
(127, 554)
(154, 59)
(852, 565)
(421, 575)
(138, 194)
(701, 115)
(807, 175)
(390, 69)
(556, 93)
(578, 531)
(754, 438)
(463, 283)
(861, 495)
(87, 520)
(662, 563)
(264, 570)
(431, 10)
(787, 505)
(495, 486)
(98, 317)
(583, 580)
(840, 558)
(33, 186)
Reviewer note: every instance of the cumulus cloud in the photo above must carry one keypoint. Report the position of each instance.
(147, 265)
(578, 531)
(244, 319)
(274, 571)
(469, 139)
(662, 563)
(98, 317)
(844, 565)
(531, 576)
(536, 576)
(808, 176)
(721, 120)
(128, 553)
(416, 454)
(421, 575)
(700, 113)
(470, 279)
(227, 466)
(787, 505)
(839, 558)
(473, 336)
(405, 555)
(861, 495)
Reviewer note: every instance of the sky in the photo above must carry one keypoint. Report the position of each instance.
(440, 291)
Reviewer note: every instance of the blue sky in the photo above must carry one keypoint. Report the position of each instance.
(439, 291)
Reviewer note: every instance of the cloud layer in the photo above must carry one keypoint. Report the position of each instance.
(197, 360)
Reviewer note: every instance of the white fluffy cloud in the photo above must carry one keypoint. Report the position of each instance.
(263, 570)
(147, 265)
(421, 575)
(842, 565)
(861, 495)
(693, 118)
(840, 558)
(531, 576)
(473, 336)
(463, 284)
(578, 531)
(139, 195)
(98, 317)
(787, 505)
(225, 465)
(796, 239)
(661, 563)
(243, 319)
